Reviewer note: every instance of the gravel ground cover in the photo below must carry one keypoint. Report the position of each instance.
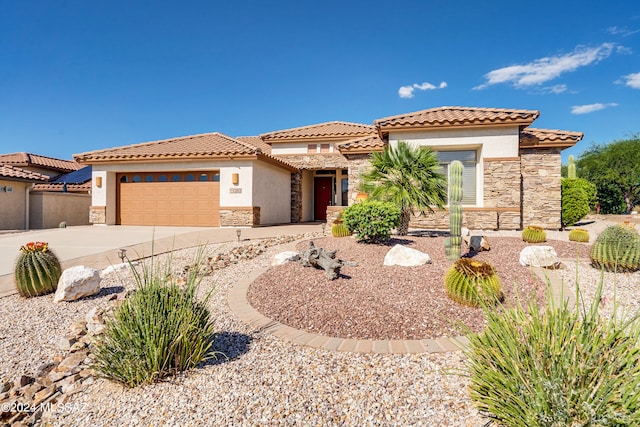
(262, 380)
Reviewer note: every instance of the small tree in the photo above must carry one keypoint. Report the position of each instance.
(616, 164)
(408, 177)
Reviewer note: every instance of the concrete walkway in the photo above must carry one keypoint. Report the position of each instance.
(97, 246)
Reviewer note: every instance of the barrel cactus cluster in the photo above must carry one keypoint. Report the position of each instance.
(534, 234)
(473, 283)
(454, 241)
(617, 248)
(37, 270)
(338, 229)
(579, 235)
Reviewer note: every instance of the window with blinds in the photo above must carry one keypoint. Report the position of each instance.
(469, 159)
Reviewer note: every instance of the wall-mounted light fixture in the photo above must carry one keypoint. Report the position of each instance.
(235, 178)
(99, 181)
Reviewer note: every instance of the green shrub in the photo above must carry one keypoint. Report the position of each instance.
(371, 221)
(617, 248)
(556, 366)
(579, 235)
(473, 283)
(37, 270)
(534, 234)
(576, 200)
(158, 330)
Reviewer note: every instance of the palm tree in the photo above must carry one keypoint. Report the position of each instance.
(408, 177)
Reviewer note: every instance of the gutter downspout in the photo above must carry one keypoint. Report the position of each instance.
(26, 205)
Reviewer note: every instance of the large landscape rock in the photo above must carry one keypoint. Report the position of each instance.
(77, 282)
(406, 257)
(539, 256)
(285, 257)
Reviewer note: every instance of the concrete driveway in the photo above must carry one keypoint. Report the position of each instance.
(97, 246)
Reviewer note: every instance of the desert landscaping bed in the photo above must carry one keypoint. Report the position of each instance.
(373, 301)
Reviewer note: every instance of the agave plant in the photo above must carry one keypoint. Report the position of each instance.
(37, 270)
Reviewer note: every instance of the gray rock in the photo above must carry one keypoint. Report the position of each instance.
(539, 256)
(77, 282)
(479, 243)
(406, 257)
(285, 257)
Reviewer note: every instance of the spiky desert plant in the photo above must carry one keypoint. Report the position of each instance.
(534, 234)
(571, 169)
(37, 270)
(579, 235)
(338, 229)
(473, 283)
(556, 365)
(617, 248)
(452, 244)
(160, 329)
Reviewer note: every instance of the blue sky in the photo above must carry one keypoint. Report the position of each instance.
(79, 75)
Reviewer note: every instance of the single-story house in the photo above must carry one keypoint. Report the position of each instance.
(512, 171)
(41, 192)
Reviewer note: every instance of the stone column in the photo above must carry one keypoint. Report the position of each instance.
(541, 188)
(296, 197)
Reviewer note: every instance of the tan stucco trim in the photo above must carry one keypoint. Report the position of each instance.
(334, 138)
(501, 159)
(489, 209)
(415, 128)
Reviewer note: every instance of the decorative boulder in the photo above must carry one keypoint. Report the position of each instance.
(285, 257)
(113, 268)
(479, 244)
(539, 256)
(406, 257)
(77, 282)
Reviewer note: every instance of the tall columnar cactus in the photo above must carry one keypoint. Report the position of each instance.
(617, 248)
(37, 270)
(452, 244)
(571, 169)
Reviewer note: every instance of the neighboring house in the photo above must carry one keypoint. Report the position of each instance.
(512, 172)
(44, 192)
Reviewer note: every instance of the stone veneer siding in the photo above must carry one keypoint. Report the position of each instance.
(98, 214)
(358, 164)
(502, 182)
(541, 188)
(296, 197)
(239, 216)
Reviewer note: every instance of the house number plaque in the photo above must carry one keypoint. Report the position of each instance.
(235, 190)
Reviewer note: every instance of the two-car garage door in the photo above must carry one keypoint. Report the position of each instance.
(169, 198)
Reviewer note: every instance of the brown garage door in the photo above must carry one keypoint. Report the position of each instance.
(172, 198)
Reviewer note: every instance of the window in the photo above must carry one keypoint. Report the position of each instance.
(203, 177)
(176, 178)
(136, 178)
(162, 178)
(149, 178)
(189, 177)
(469, 160)
(216, 177)
(325, 148)
(345, 191)
(312, 148)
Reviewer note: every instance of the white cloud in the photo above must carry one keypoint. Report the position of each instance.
(633, 80)
(545, 69)
(590, 108)
(621, 31)
(407, 91)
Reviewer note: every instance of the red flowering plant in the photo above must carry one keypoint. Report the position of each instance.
(35, 247)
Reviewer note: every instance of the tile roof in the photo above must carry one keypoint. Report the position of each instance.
(27, 159)
(532, 137)
(193, 146)
(59, 187)
(365, 144)
(328, 130)
(256, 141)
(10, 171)
(457, 116)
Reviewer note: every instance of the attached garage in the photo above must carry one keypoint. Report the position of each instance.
(169, 198)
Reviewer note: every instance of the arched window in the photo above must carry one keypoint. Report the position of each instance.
(162, 178)
(189, 177)
(136, 178)
(176, 177)
(203, 177)
(124, 178)
(216, 177)
(149, 178)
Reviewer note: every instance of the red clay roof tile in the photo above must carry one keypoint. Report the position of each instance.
(256, 141)
(365, 144)
(457, 116)
(328, 130)
(532, 137)
(10, 171)
(27, 159)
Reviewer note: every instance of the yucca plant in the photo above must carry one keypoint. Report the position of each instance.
(579, 235)
(617, 248)
(556, 366)
(37, 270)
(534, 234)
(160, 329)
(473, 283)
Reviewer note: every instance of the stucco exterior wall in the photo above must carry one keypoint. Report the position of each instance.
(13, 200)
(49, 209)
(307, 195)
(298, 147)
(272, 193)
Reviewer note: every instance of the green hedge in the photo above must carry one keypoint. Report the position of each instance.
(371, 221)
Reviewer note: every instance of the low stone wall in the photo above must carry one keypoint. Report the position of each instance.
(472, 218)
(242, 216)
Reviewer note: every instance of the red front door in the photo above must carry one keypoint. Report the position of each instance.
(322, 196)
